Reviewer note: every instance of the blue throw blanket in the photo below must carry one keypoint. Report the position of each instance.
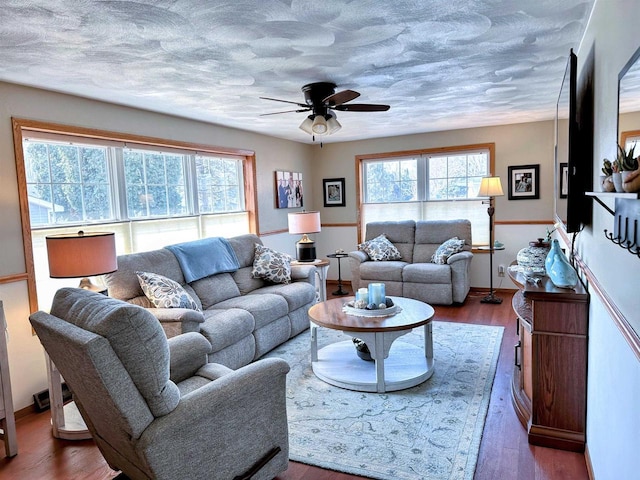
(201, 258)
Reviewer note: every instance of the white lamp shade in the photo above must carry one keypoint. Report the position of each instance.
(332, 123)
(306, 125)
(319, 126)
(304, 222)
(74, 255)
(490, 187)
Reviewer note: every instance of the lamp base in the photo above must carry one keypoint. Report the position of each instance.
(305, 251)
(491, 298)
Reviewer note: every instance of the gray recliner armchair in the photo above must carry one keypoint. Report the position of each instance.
(155, 407)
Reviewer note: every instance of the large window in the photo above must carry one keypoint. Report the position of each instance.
(150, 192)
(427, 185)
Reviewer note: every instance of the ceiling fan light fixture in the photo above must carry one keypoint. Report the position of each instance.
(319, 126)
(332, 123)
(306, 125)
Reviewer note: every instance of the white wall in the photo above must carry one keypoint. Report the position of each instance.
(613, 416)
(27, 365)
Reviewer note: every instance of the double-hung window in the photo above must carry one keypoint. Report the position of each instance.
(150, 194)
(437, 184)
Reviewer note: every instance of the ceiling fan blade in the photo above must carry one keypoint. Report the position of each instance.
(362, 107)
(340, 97)
(284, 101)
(285, 111)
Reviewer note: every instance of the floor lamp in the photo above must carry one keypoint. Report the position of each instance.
(490, 187)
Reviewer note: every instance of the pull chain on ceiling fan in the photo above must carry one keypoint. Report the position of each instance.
(321, 100)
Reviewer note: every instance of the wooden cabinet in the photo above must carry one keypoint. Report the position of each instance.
(549, 387)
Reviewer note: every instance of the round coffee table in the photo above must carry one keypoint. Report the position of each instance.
(395, 365)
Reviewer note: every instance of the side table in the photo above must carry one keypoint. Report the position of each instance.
(322, 267)
(339, 256)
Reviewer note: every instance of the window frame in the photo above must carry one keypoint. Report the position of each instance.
(22, 127)
(360, 161)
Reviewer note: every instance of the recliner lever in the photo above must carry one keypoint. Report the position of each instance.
(259, 464)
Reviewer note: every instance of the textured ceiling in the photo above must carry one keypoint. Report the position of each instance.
(440, 64)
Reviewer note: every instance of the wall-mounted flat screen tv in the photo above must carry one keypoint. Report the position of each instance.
(568, 184)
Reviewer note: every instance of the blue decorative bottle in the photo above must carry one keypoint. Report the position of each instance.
(559, 269)
(555, 249)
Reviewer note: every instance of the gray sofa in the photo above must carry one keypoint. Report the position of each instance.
(154, 406)
(414, 275)
(242, 317)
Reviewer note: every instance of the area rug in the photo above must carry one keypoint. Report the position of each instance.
(431, 431)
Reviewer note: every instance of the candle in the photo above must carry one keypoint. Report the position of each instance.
(376, 293)
(362, 294)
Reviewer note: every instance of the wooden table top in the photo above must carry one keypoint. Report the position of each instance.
(329, 314)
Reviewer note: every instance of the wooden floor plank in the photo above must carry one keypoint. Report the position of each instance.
(504, 451)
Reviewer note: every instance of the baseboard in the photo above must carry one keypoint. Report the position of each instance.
(587, 461)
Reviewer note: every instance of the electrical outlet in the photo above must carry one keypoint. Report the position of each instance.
(501, 270)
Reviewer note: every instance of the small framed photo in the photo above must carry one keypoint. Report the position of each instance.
(564, 180)
(523, 182)
(333, 192)
(289, 190)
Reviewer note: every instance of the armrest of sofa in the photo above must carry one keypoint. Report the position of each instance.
(303, 273)
(187, 353)
(176, 321)
(356, 258)
(460, 264)
(227, 425)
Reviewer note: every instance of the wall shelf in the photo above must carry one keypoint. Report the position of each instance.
(600, 197)
(626, 212)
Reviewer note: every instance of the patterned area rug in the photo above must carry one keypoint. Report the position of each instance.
(431, 431)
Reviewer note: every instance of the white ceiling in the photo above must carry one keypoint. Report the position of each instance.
(440, 64)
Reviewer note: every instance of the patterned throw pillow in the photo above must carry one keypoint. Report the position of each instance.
(271, 265)
(164, 292)
(448, 248)
(380, 249)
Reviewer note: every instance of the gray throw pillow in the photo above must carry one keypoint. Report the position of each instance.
(448, 248)
(164, 292)
(271, 265)
(380, 249)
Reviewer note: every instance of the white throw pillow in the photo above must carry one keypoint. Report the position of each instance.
(164, 292)
(271, 265)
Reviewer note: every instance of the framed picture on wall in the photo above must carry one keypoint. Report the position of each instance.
(333, 189)
(288, 190)
(523, 182)
(564, 180)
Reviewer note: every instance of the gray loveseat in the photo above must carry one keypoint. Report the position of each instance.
(242, 317)
(414, 275)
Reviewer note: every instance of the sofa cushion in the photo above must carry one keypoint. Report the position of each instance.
(226, 327)
(264, 308)
(426, 273)
(245, 280)
(383, 271)
(380, 249)
(215, 289)
(401, 234)
(164, 292)
(297, 294)
(270, 265)
(446, 249)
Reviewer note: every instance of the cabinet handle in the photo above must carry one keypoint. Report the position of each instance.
(516, 347)
(517, 326)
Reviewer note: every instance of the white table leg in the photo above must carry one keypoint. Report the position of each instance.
(314, 342)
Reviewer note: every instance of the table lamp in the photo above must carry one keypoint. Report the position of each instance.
(305, 223)
(82, 254)
(490, 187)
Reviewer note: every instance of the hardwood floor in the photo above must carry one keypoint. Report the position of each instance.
(504, 451)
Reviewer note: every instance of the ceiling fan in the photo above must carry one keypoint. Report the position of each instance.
(321, 100)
